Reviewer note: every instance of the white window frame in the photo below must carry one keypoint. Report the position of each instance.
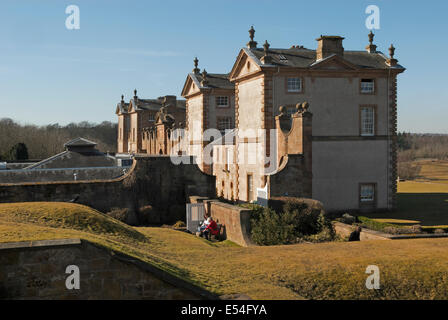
(366, 195)
(367, 121)
(294, 84)
(367, 86)
(220, 100)
(227, 124)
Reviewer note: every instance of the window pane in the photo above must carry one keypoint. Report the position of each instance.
(367, 85)
(222, 101)
(224, 123)
(367, 121)
(294, 84)
(367, 192)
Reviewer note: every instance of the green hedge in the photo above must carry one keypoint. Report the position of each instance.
(299, 220)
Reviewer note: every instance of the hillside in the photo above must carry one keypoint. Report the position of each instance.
(410, 269)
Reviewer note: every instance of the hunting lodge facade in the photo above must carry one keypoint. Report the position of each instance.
(327, 117)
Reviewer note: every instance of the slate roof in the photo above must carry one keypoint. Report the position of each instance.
(79, 153)
(215, 80)
(304, 58)
(122, 107)
(156, 104)
(80, 142)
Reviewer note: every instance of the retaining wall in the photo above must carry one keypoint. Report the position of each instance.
(234, 219)
(152, 180)
(36, 270)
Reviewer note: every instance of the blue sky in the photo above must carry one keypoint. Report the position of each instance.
(49, 74)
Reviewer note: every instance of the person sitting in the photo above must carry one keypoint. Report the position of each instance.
(211, 229)
(204, 224)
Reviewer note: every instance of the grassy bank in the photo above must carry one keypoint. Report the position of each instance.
(410, 269)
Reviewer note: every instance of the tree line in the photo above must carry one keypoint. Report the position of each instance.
(42, 142)
(414, 146)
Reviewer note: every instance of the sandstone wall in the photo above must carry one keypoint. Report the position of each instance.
(152, 180)
(235, 220)
(43, 175)
(36, 270)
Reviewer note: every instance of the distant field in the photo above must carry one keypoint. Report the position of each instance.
(410, 269)
(424, 200)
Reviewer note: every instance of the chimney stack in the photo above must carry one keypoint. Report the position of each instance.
(329, 45)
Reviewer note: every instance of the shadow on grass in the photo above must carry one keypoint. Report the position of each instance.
(428, 208)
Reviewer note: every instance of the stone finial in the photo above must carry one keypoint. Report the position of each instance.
(266, 59)
(266, 47)
(252, 44)
(251, 33)
(392, 61)
(204, 81)
(196, 69)
(391, 51)
(122, 98)
(371, 36)
(135, 94)
(371, 48)
(303, 109)
(282, 110)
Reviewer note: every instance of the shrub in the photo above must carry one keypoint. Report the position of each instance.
(271, 228)
(179, 225)
(346, 218)
(147, 214)
(120, 214)
(415, 229)
(439, 231)
(298, 220)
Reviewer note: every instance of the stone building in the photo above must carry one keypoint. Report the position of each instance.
(342, 151)
(138, 114)
(318, 123)
(80, 161)
(164, 137)
(210, 105)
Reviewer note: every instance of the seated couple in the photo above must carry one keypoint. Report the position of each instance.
(207, 228)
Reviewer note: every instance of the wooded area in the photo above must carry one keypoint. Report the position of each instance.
(413, 146)
(44, 141)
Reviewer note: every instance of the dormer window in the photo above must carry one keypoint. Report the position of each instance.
(367, 86)
(222, 101)
(294, 85)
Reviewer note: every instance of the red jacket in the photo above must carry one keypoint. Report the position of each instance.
(213, 227)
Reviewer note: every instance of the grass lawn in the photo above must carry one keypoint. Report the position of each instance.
(410, 269)
(423, 201)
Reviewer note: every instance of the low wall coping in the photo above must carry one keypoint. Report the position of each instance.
(39, 243)
(393, 236)
(159, 273)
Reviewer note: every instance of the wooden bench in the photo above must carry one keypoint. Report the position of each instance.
(218, 236)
